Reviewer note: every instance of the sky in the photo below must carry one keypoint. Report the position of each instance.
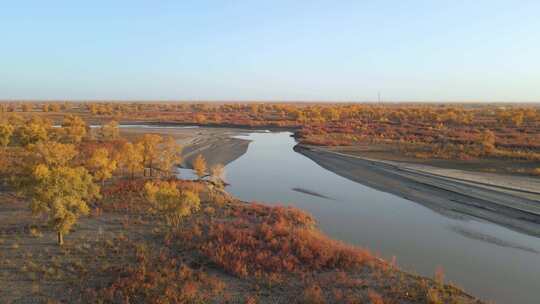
(290, 50)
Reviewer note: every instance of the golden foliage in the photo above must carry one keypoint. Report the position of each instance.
(6, 131)
(131, 158)
(150, 152)
(169, 155)
(52, 153)
(199, 165)
(73, 129)
(32, 131)
(101, 165)
(110, 131)
(217, 173)
(62, 193)
(170, 202)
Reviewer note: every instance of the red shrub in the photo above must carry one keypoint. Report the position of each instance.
(268, 241)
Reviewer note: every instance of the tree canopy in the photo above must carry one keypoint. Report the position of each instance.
(170, 202)
(62, 193)
(199, 165)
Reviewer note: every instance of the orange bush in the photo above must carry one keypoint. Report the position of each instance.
(267, 241)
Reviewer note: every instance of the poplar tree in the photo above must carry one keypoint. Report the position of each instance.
(6, 131)
(110, 131)
(62, 193)
(199, 165)
(101, 165)
(131, 158)
(169, 155)
(73, 128)
(170, 202)
(149, 143)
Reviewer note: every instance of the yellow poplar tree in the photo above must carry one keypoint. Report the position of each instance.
(488, 141)
(62, 194)
(170, 202)
(53, 153)
(169, 155)
(199, 165)
(55, 107)
(101, 165)
(27, 107)
(110, 131)
(217, 173)
(73, 128)
(149, 144)
(131, 158)
(6, 131)
(32, 131)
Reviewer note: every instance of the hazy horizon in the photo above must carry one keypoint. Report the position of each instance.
(313, 51)
(470, 102)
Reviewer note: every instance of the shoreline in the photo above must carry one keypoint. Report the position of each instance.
(510, 201)
(216, 145)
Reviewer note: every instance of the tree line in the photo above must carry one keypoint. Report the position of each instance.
(61, 168)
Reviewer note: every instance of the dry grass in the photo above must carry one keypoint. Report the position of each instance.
(228, 252)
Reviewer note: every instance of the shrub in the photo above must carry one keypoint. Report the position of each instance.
(170, 202)
(160, 279)
(270, 241)
(375, 298)
(313, 294)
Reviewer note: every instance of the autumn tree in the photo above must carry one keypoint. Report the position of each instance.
(169, 155)
(131, 158)
(32, 131)
(200, 118)
(488, 141)
(73, 128)
(62, 193)
(217, 173)
(93, 109)
(110, 131)
(6, 131)
(52, 154)
(199, 165)
(101, 165)
(27, 107)
(517, 118)
(170, 202)
(149, 144)
(330, 113)
(55, 107)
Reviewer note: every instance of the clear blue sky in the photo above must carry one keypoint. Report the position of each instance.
(432, 50)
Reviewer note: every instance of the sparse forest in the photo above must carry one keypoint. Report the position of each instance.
(98, 218)
(421, 131)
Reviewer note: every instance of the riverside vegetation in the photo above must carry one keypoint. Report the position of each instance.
(128, 230)
(496, 137)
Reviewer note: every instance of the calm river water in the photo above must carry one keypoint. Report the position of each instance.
(485, 259)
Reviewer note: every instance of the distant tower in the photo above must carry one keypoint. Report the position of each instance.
(379, 96)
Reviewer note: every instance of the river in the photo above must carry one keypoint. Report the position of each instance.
(487, 260)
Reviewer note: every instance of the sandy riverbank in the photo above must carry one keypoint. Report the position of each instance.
(511, 201)
(216, 145)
